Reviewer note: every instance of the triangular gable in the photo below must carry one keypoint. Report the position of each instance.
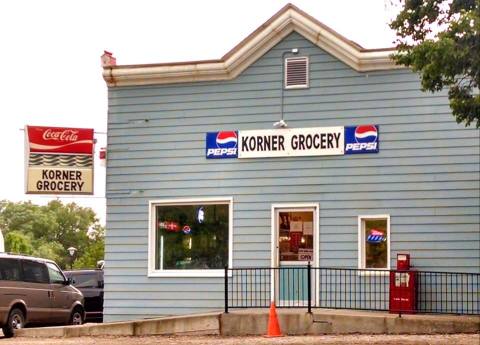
(290, 18)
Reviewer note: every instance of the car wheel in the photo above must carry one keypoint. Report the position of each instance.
(77, 317)
(16, 320)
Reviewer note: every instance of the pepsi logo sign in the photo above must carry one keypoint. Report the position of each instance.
(361, 139)
(227, 139)
(222, 145)
(366, 134)
(376, 236)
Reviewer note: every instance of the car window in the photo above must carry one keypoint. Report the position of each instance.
(56, 276)
(85, 280)
(9, 269)
(34, 272)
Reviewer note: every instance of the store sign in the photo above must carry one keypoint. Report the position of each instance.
(169, 226)
(361, 139)
(292, 142)
(375, 236)
(320, 141)
(305, 254)
(222, 144)
(59, 160)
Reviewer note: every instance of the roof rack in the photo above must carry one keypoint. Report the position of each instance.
(26, 256)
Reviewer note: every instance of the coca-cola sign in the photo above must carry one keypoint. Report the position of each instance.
(60, 140)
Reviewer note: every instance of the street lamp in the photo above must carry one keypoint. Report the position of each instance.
(71, 251)
(282, 123)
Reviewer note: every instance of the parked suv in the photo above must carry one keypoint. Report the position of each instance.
(90, 283)
(33, 291)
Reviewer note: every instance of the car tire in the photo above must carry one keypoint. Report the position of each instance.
(16, 320)
(77, 316)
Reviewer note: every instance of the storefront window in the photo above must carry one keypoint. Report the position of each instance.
(193, 236)
(375, 242)
(295, 236)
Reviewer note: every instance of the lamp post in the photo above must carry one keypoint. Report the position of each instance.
(282, 122)
(72, 251)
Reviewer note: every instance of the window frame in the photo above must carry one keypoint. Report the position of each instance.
(10, 261)
(45, 268)
(361, 241)
(152, 272)
(93, 275)
(58, 270)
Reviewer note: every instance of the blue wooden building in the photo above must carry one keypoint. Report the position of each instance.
(296, 146)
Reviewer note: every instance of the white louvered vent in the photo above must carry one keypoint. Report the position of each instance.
(296, 72)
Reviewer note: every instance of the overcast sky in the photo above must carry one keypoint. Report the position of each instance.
(50, 57)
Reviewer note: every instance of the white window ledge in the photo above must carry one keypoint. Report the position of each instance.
(189, 273)
(380, 272)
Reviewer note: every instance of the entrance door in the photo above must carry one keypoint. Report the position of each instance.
(295, 236)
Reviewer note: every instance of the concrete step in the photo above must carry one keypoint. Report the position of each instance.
(199, 324)
(255, 321)
(328, 321)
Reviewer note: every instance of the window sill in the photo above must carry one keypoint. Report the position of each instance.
(188, 273)
(293, 87)
(379, 272)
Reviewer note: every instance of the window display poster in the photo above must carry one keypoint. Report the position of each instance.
(308, 228)
(295, 239)
(296, 226)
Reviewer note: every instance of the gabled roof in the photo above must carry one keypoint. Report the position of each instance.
(290, 18)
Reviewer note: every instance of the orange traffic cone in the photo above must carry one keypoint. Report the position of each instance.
(273, 325)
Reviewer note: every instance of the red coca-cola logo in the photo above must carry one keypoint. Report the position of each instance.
(60, 140)
(65, 135)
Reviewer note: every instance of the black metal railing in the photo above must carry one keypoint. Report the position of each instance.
(348, 288)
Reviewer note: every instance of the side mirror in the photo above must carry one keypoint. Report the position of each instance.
(70, 281)
(100, 284)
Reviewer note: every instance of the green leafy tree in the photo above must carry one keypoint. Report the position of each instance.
(94, 253)
(48, 231)
(440, 39)
(18, 242)
(51, 250)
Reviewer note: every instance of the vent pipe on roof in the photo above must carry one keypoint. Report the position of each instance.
(108, 59)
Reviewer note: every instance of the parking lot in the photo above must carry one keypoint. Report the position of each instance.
(457, 339)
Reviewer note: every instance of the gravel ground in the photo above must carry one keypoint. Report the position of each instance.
(450, 339)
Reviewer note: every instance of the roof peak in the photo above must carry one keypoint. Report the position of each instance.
(287, 20)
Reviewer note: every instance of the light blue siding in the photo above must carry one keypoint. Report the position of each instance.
(426, 176)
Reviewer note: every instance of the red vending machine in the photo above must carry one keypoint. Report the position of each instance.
(403, 287)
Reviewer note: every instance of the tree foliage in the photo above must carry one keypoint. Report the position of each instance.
(440, 39)
(48, 231)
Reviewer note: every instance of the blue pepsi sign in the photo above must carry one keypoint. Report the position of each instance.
(362, 139)
(222, 145)
(376, 237)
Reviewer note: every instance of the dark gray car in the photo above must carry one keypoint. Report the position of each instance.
(35, 291)
(90, 283)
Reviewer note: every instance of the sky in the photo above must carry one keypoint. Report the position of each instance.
(50, 59)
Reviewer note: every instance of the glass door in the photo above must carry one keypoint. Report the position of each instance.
(295, 230)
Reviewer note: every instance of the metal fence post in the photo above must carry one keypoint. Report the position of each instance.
(309, 288)
(225, 289)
